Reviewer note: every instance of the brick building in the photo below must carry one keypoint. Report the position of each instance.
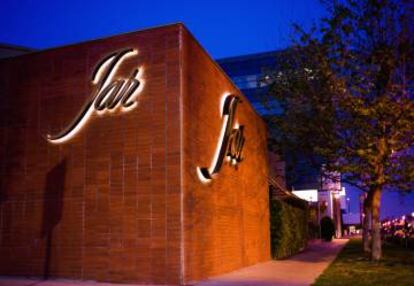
(129, 159)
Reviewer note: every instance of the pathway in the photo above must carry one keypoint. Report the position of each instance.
(299, 270)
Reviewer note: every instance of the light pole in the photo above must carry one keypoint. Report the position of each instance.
(337, 214)
(319, 218)
(348, 204)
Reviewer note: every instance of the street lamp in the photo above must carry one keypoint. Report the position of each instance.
(348, 202)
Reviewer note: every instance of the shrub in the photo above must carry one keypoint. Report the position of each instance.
(327, 228)
(288, 228)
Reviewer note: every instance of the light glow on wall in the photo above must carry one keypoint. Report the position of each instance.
(111, 75)
(140, 78)
(201, 176)
(218, 147)
(231, 140)
(74, 131)
(110, 93)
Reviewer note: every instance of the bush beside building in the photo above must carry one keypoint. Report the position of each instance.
(288, 227)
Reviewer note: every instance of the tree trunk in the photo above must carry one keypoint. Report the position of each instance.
(366, 225)
(376, 251)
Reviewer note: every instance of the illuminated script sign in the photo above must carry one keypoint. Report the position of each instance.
(109, 93)
(231, 142)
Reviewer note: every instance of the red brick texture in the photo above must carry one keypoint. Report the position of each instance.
(121, 201)
(226, 222)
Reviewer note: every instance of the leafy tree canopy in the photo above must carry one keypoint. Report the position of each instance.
(346, 94)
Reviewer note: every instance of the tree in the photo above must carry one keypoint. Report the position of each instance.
(346, 94)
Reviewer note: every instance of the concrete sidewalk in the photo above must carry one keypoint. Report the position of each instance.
(299, 270)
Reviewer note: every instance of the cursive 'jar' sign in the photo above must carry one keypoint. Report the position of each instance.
(231, 142)
(109, 94)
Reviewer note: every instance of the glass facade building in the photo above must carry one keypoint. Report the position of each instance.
(249, 73)
(252, 75)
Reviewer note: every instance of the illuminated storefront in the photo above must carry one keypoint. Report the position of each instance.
(129, 159)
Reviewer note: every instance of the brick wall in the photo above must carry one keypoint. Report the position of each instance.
(105, 205)
(226, 221)
(121, 201)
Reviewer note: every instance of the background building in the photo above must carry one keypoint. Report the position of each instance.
(7, 51)
(248, 72)
(251, 73)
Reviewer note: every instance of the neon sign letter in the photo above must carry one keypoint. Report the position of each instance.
(108, 95)
(231, 142)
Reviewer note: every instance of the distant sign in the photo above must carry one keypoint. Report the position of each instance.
(331, 181)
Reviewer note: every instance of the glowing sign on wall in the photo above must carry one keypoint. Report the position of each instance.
(109, 94)
(231, 142)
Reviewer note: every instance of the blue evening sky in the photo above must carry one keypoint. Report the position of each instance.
(224, 28)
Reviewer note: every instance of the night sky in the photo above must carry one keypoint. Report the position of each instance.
(224, 28)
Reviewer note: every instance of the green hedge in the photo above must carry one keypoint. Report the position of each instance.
(288, 227)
